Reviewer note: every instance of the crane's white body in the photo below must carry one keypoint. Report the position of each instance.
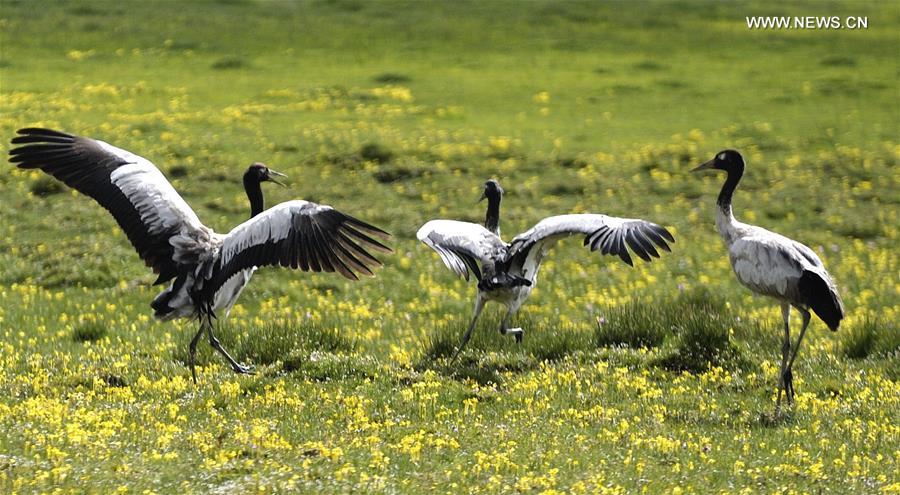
(768, 263)
(225, 297)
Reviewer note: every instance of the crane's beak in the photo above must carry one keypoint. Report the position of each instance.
(705, 166)
(279, 174)
(483, 197)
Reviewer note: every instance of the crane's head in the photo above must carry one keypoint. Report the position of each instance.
(727, 160)
(259, 172)
(492, 190)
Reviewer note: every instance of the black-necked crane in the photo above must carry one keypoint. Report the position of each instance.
(210, 269)
(508, 272)
(776, 266)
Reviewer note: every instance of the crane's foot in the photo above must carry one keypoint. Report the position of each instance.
(777, 417)
(462, 344)
(779, 413)
(243, 369)
(789, 385)
(517, 332)
(236, 366)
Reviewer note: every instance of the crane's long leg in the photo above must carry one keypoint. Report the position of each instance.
(213, 341)
(788, 373)
(517, 332)
(479, 305)
(192, 349)
(785, 352)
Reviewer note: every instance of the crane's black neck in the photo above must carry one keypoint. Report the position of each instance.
(254, 194)
(492, 218)
(735, 172)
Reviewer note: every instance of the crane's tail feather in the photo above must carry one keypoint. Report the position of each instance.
(503, 280)
(160, 304)
(822, 297)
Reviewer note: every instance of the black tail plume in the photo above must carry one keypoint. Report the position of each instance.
(822, 298)
(503, 280)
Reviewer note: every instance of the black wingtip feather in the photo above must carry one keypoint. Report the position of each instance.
(470, 263)
(369, 228)
(85, 166)
(621, 250)
(365, 239)
(36, 138)
(646, 243)
(637, 245)
(43, 131)
(663, 232)
(353, 261)
(654, 236)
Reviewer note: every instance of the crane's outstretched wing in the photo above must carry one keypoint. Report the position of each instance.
(302, 235)
(610, 235)
(462, 245)
(137, 194)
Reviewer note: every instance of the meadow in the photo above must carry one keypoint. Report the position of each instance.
(653, 379)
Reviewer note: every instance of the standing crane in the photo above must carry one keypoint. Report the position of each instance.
(209, 269)
(508, 272)
(776, 266)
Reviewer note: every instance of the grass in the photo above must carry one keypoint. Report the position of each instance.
(89, 332)
(46, 185)
(396, 113)
(872, 337)
(702, 343)
(375, 152)
(272, 342)
(695, 330)
(487, 358)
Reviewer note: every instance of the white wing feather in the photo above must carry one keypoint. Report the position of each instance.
(160, 205)
(271, 225)
(159, 223)
(302, 235)
(452, 240)
(611, 235)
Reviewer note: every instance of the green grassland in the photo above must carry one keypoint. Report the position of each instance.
(653, 379)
